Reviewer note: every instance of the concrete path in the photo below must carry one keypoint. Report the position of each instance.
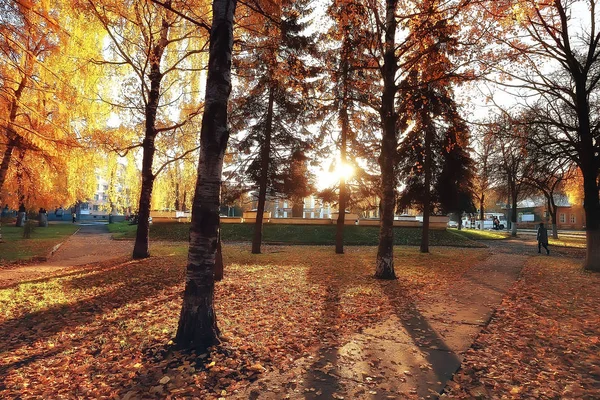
(92, 243)
(413, 354)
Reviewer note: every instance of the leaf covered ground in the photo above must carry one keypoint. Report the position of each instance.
(543, 342)
(103, 331)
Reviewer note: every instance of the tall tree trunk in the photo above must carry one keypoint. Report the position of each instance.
(265, 153)
(481, 207)
(141, 247)
(427, 195)
(197, 322)
(177, 204)
(590, 166)
(22, 215)
(513, 215)
(14, 140)
(339, 232)
(387, 159)
(6, 157)
(552, 209)
(592, 221)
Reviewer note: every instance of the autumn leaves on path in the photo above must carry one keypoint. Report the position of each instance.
(300, 322)
(411, 354)
(90, 244)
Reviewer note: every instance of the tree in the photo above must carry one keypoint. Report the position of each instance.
(344, 86)
(509, 162)
(548, 34)
(483, 158)
(387, 159)
(433, 153)
(547, 176)
(271, 108)
(43, 130)
(197, 322)
(153, 48)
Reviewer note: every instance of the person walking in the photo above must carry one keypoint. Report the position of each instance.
(542, 238)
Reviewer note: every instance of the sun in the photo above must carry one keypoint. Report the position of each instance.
(328, 177)
(345, 171)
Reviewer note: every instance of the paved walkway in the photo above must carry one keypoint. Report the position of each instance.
(413, 354)
(90, 244)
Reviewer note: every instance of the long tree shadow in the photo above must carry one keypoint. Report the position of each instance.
(322, 379)
(68, 344)
(442, 360)
(43, 324)
(72, 271)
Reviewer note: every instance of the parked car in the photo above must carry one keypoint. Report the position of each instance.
(452, 224)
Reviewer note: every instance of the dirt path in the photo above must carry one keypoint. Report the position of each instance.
(90, 244)
(414, 353)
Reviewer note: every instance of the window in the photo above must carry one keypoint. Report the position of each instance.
(573, 220)
(545, 213)
(95, 207)
(563, 219)
(96, 197)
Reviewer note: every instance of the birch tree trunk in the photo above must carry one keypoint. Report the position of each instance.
(197, 322)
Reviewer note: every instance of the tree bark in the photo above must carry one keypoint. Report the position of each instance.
(592, 221)
(219, 266)
(427, 187)
(387, 159)
(197, 322)
(513, 216)
(265, 152)
(141, 248)
(590, 166)
(343, 195)
(481, 207)
(553, 210)
(6, 157)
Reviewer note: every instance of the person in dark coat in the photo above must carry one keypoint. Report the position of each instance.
(542, 238)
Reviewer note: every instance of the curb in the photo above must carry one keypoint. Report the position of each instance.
(55, 248)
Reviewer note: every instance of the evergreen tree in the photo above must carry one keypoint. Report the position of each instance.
(346, 87)
(434, 146)
(271, 108)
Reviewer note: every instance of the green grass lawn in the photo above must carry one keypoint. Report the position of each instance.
(475, 234)
(568, 241)
(299, 234)
(39, 245)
